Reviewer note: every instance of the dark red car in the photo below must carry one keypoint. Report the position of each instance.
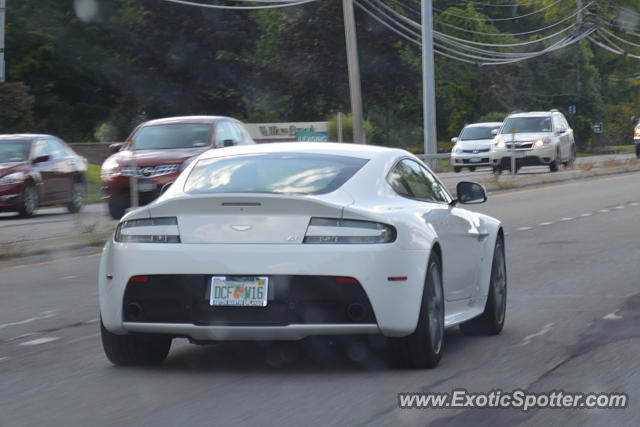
(161, 149)
(39, 170)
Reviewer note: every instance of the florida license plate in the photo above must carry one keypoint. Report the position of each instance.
(521, 154)
(239, 291)
(475, 159)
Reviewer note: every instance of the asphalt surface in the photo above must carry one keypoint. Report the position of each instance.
(572, 324)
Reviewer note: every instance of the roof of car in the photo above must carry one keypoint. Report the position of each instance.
(344, 149)
(23, 136)
(533, 114)
(484, 124)
(185, 119)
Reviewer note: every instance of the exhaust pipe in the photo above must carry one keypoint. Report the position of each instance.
(356, 312)
(134, 311)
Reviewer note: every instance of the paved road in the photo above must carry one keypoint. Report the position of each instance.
(572, 324)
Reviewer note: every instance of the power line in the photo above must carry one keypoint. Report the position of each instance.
(279, 4)
(444, 12)
(508, 44)
(555, 24)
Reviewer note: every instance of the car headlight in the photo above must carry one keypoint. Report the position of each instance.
(541, 142)
(457, 150)
(110, 168)
(499, 143)
(148, 230)
(12, 178)
(348, 231)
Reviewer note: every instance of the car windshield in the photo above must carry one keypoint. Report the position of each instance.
(527, 124)
(184, 135)
(282, 173)
(477, 132)
(13, 151)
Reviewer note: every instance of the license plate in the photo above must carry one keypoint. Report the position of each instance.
(475, 160)
(146, 185)
(239, 291)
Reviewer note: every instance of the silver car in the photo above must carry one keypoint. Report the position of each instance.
(472, 147)
(534, 139)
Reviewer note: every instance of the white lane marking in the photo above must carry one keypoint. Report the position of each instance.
(2, 359)
(545, 223)
(68, 277)
(586, 214)
(94, 320)
(524, 228)
(634, 204)
(620, 207)
(528, 338)
(87, 337)
(39, 341)
(567, 218)
(43, 315)
(604, 210)
(612, 316)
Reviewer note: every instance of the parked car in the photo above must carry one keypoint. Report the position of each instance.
(40, 170)
(473, 147)
(161, 149)
(636, 139)
(537, 138)
(284, 241)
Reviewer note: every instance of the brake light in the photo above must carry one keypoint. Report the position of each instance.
(348, 231)
(148, 230)
(346, 280)
(139, 279)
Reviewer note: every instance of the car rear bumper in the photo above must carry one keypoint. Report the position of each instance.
(395, 304)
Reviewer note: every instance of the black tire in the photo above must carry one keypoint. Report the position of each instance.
(572, 159)
(496, 169)
(638, 151)
(132, 350)
(117, 207)
(423, 348)
(457, 169)
(555, 164)
(472, 168)
(31, 201)
(491, 321)
(78, 195)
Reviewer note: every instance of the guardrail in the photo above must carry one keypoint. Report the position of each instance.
(437, 162)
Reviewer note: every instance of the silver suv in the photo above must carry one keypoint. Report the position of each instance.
(534, 139)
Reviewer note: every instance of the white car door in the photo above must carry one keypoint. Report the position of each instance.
(457, 232)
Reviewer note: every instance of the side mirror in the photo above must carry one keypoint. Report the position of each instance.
(228, 143)
(165, 187)
(41, 159)
(114, 148)
(454, 140)
(471, 193)
(494, 132)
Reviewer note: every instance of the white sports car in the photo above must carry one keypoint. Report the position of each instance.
(284, 241)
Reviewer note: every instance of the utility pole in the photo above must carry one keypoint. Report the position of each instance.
(579, 21)
(3, 6)
(354, 72)
(428, 81)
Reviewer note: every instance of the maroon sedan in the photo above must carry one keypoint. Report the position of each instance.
(39, 170)
(161, 149)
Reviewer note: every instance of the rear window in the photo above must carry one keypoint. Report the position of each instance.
(278, 173)
(13, 151)
(477, 132)
(178, 135)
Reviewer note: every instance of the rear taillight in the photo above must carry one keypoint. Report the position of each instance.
(637, 131)
(149, 230)
(348, 231)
